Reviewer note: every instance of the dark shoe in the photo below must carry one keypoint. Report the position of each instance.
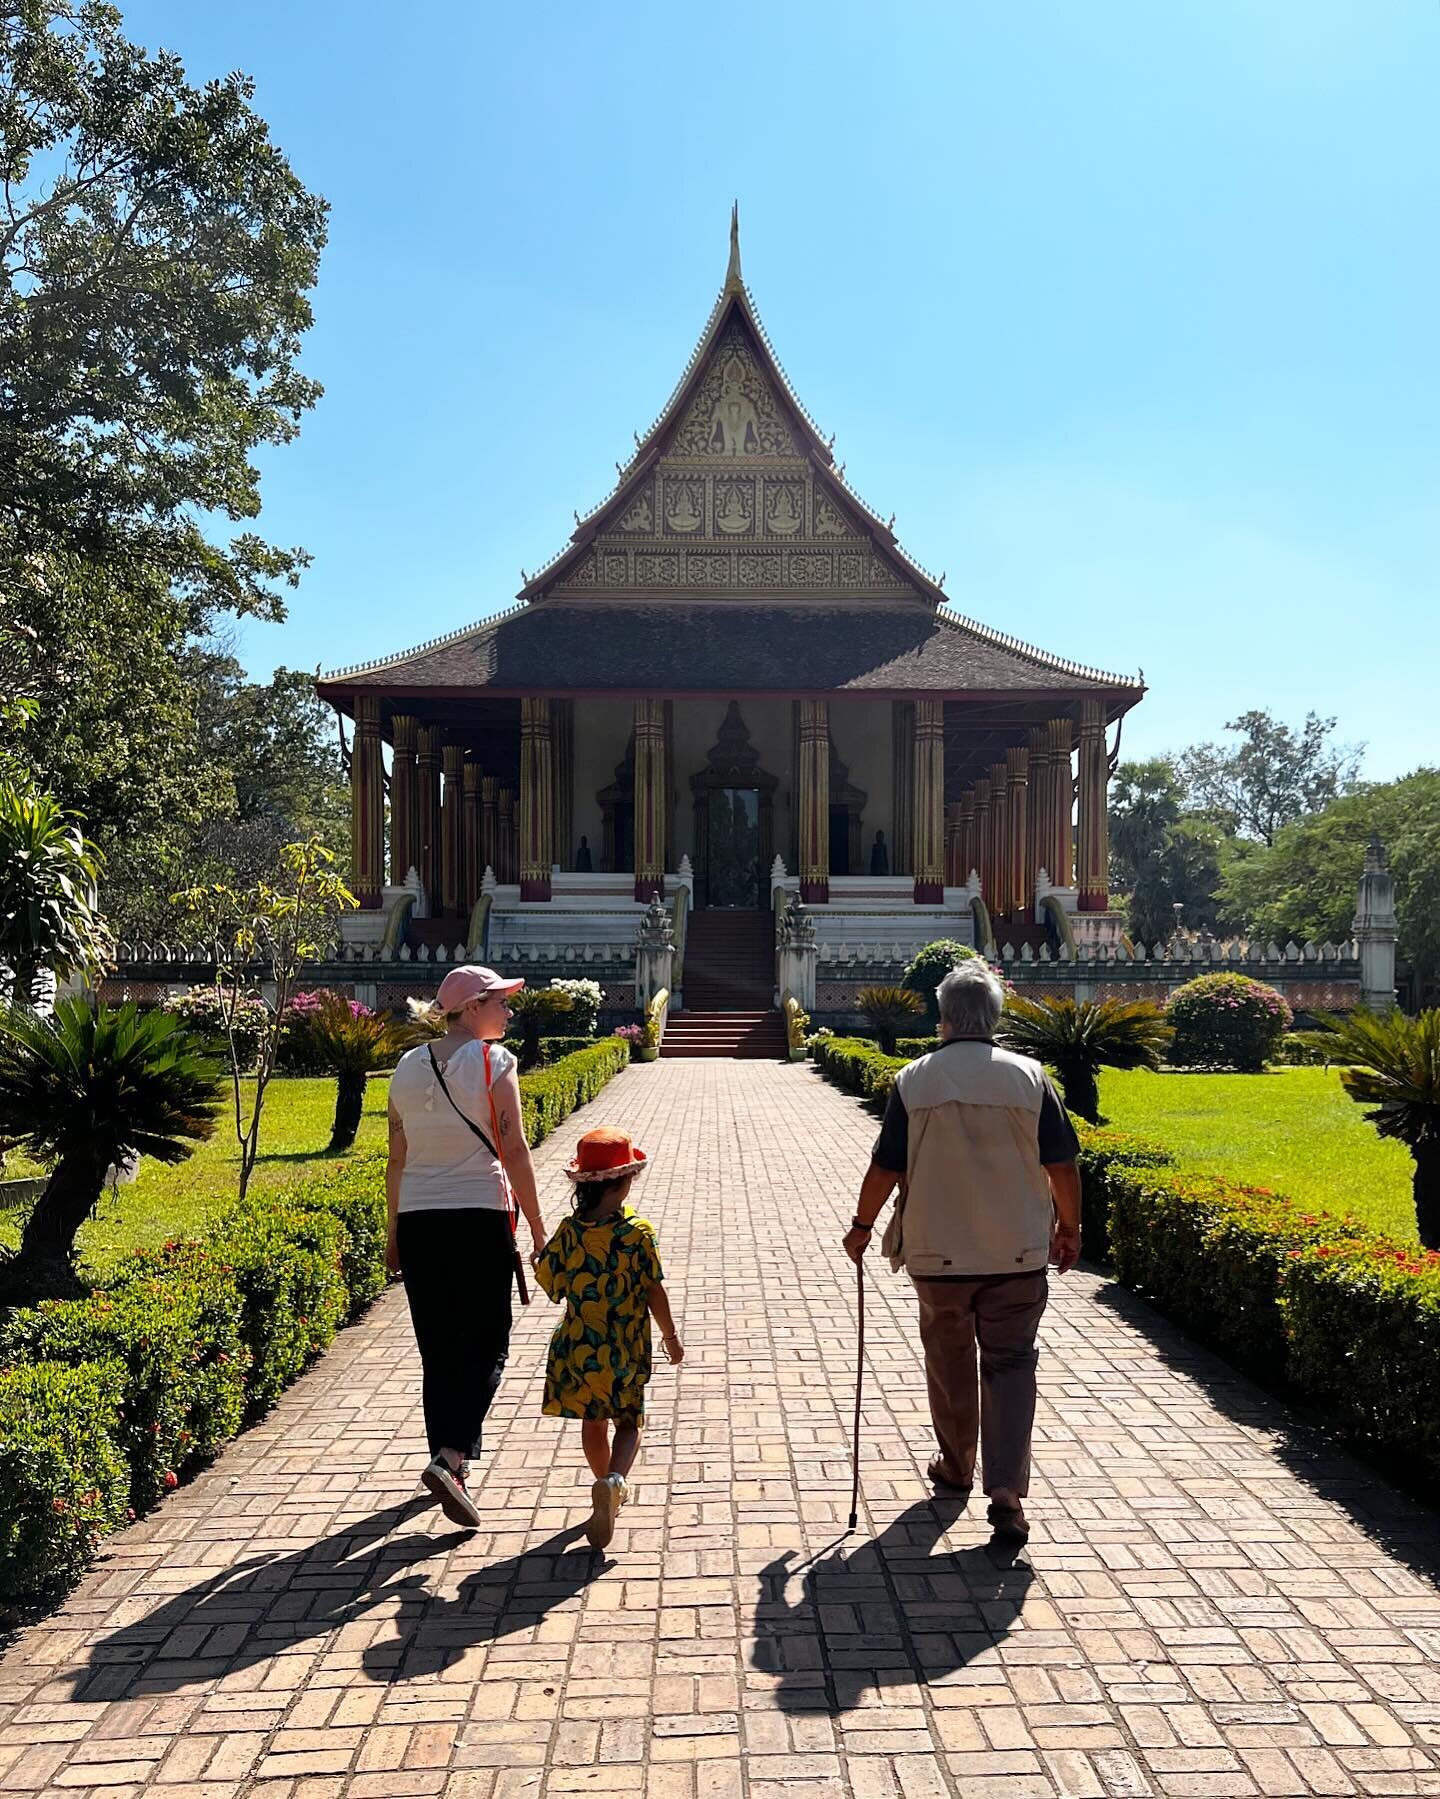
(1009, 1525)
(448, 1486)
(940, 1478)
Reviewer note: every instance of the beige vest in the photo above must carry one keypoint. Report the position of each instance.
(976, 1199)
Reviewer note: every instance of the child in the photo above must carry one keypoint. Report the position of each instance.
(604, 1263)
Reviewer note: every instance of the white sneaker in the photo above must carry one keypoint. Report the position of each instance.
(606, 1498)
(448, 1486)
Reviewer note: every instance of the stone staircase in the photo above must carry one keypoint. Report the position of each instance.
(729, 984)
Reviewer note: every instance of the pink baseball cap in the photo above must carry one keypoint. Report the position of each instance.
(471, 982)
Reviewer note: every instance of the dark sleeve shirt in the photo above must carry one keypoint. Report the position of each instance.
(1058, 1142)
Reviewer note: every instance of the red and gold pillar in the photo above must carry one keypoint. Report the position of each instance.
(813, 798)
(474, 867)
(489, 826)
(428, 812)
(1060, 855)
(997, 887)
(367, 804)
(651, 787)
(965, 848)
(929, 827)
(537, 800)
(404, 799)
(1022, 880)
(509, 870)
(954, 824)
(452, 830)
(980, 842)
(1093, 870)
(1037, 822)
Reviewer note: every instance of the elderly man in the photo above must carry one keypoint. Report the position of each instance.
(984, 1155)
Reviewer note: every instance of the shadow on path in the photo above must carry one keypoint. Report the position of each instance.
(1404, 1527)
(889, 1613)
(258, 1608)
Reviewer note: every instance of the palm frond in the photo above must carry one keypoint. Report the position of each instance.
(1391, 1063)
(344, 1040)
(1100, 1033)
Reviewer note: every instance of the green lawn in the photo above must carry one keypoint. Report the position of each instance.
(164, 1202)
(1293, 1130)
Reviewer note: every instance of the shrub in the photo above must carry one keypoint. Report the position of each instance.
(1104, 1156)
(586, 999)
(632, 1036)
(1226, 1021)
(172, 1329)
(202, 1011)
(857, 1066)
(535, 1010)
(549, 1095)
(551, 1049)
(354, 1194)
(63, 1481)
(929, 966)
(886, 1010)
(912, 1048)
(351, 1042)
(1076, 1039)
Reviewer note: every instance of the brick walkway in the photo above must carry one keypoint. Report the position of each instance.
(1219, 1607)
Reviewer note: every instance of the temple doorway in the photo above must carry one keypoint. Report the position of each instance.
(730, 853)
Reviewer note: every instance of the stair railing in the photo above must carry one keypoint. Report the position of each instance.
(657, 1016)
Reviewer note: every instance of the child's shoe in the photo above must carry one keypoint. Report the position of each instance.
(606, 1498)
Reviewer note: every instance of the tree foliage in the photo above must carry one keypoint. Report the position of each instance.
(1160, 856)
(1076, 1039)
(1273, 777)
(50, 921)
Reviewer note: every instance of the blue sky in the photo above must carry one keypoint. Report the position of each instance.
(1128, 312)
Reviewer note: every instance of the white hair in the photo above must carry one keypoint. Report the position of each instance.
(971, 999)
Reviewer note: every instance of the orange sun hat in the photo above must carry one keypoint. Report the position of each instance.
(605, 1154)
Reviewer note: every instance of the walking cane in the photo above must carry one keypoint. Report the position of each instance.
(859, 1386)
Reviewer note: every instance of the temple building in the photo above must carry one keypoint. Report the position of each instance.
(731, 680)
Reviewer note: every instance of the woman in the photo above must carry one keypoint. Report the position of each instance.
(450, 1230)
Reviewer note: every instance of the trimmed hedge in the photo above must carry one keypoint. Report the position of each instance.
(106, 1402)
(858, 1066)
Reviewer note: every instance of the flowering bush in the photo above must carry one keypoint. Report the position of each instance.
(201, 1010)
(633, 1036)
(586, 998)
(299, 1053)
(1226, 1021)
(930, 965)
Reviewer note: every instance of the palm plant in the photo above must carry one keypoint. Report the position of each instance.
(49, 909)
(887, 1012)
(1077, 1039)
(532, 1008)
(90, 1088)
(1392, 1063)
(351, 1042)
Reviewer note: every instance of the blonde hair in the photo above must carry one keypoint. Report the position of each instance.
(429, 1014)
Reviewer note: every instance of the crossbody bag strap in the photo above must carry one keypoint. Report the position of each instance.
(465, 1117)
(511, 1203)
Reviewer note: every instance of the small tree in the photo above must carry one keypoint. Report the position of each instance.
(533, 1008)
(929, 966)
(90, 1088)
(49, 902)
(1227, 1021)
(1076, 1040)
(1394, 1066)
(351, 1042)
(586, 999)
(270, 930)
(887, 1012)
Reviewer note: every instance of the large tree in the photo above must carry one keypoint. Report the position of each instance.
(1274, 776)
(1159, 856)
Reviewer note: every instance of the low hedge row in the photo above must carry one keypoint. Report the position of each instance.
(107, 1402)
(1318, 1306)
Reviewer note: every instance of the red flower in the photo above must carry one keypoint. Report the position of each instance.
(172, 1480)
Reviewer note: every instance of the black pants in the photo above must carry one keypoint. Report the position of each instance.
(458, 1269)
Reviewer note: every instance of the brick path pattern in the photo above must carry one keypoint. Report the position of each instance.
(1213, 1605)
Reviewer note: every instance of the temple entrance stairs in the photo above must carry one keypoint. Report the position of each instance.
(729, 985)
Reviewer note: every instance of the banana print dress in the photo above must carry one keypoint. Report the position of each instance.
(600, 1353)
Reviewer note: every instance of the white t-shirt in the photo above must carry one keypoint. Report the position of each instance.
(447, 1167)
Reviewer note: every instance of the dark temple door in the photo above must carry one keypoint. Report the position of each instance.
(733, 846)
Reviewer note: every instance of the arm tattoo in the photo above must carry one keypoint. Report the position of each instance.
(505, 1121)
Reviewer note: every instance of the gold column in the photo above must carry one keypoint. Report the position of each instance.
(980, 843)
(1022, 882)
(404, 799)
(562, 740)
(902, 749)
(428, 813)
(954, 824)
(367, 804)
(966, 846)
(1093, 861)
(509, 871)
(1037, 825)
(813, 795)
(537, 795)
(489, 826)
(999, 882)
(452, 830)
(474, 867)
(1060, 854)
(651, 798)
(929, 814)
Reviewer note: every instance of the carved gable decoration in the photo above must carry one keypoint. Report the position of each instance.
(734, 414)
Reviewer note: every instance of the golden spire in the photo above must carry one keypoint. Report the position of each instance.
(733, 281)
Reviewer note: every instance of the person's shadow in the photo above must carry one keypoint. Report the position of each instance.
(889, 1613)
(254, 1610)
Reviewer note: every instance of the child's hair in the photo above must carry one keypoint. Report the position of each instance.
(591, 1195)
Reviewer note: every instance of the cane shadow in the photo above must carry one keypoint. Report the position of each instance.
(890, 1613)
(262, 1607)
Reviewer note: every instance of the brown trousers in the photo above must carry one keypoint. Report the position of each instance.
(1001, 1314)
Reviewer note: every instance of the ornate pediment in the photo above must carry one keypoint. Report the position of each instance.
(734, 415)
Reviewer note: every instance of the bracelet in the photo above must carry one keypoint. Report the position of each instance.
(857, 1225)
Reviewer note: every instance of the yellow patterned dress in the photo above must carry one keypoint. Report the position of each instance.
(600, 1353)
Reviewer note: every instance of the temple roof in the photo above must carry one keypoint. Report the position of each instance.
(731, 554)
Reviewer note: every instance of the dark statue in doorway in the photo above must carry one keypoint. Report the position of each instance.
(880, 855)
(583, 864)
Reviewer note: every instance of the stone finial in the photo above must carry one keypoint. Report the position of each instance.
(797, 927)
(686, 870)
(656, 931)
(488, 883)
(777, 869)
